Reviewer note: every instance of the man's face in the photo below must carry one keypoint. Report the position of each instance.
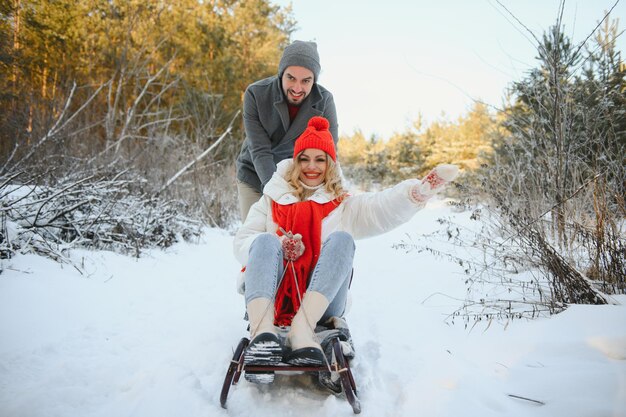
(297, 83)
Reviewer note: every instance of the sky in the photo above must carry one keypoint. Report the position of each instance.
(389, 62)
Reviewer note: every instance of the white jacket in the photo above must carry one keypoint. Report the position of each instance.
(362, 215)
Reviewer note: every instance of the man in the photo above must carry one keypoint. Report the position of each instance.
(276, 111)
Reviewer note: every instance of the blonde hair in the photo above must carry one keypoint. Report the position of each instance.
(332, 180)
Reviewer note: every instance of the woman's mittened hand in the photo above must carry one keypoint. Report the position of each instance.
(432, 183)
(293, 247)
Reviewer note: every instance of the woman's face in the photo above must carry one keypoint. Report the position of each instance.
(313, 164)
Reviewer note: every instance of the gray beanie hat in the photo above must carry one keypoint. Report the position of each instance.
(301, 54)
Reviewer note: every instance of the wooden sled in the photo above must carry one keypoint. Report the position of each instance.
(339, 366)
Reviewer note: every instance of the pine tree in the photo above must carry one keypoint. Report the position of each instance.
(464, 142)
(558, 167)
(404, 158)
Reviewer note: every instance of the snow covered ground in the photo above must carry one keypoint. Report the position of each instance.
(152, 337)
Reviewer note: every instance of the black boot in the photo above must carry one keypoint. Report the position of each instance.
(265, 349)
(306, 356)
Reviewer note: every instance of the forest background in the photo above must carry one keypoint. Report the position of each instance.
(120, 123)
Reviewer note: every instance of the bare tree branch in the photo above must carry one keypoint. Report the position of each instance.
(201, 156)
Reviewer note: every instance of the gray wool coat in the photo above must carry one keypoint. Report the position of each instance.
(269, 134)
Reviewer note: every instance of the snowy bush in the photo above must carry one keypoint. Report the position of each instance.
(509, 273)
(80, 210)
(503, 282)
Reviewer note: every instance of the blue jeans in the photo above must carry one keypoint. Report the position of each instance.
(330, 277)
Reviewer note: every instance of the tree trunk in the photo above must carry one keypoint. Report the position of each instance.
(17, 7)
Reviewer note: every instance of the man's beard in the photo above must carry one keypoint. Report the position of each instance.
(295, 103)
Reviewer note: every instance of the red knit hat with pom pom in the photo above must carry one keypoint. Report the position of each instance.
(316, 136)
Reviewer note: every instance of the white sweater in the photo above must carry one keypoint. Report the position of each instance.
(363, 215)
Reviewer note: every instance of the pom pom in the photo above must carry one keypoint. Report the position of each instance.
(319, 123)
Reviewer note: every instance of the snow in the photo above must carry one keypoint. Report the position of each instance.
(153, 337)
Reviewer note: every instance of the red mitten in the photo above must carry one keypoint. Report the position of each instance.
(432, 183)
(293, 247)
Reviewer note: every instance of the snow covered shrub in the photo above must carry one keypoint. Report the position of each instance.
(80, 210)
(503, 282)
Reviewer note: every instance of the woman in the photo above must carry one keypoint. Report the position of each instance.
(297, 245)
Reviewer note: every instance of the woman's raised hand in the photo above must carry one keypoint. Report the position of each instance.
(434, 182)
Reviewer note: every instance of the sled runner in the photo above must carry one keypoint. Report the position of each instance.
(334, 375)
